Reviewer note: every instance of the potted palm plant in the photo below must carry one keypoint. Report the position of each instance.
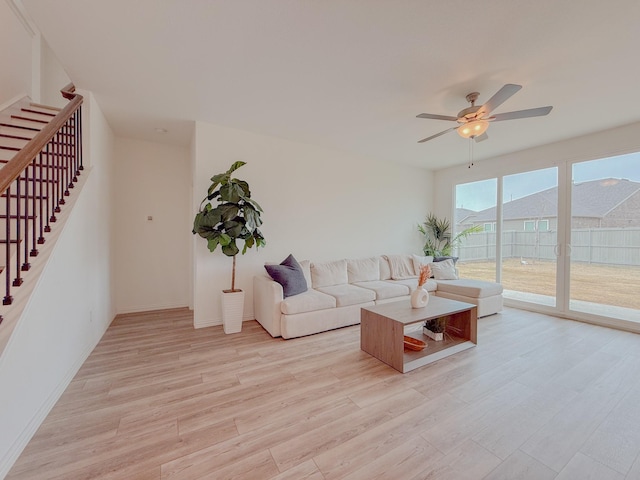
(437, 232)
(234, 217)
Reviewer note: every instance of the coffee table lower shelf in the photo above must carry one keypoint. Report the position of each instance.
(434, 351)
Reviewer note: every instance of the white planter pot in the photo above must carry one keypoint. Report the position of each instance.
(232, 309)
(433, 335)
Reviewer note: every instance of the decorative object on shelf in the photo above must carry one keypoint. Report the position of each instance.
(437, 232)
(411, 343)
(420, 296)
(435, 328)
(235, 217)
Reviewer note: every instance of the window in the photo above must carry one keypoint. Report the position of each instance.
(489, 227)
(543, 225)
(529, 225)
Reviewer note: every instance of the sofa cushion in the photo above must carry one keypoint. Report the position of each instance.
(308, 301)
(306, 269)
(384, 290)
(444, 270)
(347, 294)
(385, 271)
(470, 288)
(289, 274)
(419, 261)
(401, 266)
(363, 269)
(325, 274)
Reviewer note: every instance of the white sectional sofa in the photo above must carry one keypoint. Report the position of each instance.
(337, 290)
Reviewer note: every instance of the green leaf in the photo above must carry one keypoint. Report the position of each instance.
(244, 186)
(231, 249)
(235, 166)
(248, 243)
(228, 211)
(233, 228)
(225, 240)
(252, 218)
(204, 223)
(231, 192)
(212, 243)
(254, 204)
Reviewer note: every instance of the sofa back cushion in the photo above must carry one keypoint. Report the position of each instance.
(363, 269)
(306, 269)
(385, 271)
(325, 274)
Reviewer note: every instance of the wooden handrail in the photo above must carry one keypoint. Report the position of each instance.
(23, 158)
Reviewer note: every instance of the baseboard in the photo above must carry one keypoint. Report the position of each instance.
(150, 308)
(21, 442)
(216, 322)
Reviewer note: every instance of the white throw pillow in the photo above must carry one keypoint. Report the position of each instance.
(401, 267)
(444, 270)
(419, 261)
(363, 269)
(329, 273)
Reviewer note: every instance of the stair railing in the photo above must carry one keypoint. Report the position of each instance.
(33, 187)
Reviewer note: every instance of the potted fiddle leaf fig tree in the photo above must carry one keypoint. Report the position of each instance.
(228, 215)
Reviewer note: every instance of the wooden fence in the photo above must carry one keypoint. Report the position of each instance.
(607, 246)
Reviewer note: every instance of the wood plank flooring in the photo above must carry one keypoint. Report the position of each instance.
(539, 398)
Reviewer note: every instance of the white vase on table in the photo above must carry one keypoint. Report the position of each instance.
(419, 298)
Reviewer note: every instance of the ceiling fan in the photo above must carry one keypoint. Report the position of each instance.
(474, 121)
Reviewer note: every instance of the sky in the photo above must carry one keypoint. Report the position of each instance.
(480, 195)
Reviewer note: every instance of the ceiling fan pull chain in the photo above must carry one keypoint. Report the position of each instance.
(470, 152)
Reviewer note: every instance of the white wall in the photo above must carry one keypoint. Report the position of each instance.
(319, 204)
(53, 77)
(70, 308)
(152, 256)
(602, 144)
(15, 56)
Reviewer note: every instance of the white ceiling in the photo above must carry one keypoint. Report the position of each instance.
(351, 74)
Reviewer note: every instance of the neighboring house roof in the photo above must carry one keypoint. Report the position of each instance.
(463, 215)
(589, 199)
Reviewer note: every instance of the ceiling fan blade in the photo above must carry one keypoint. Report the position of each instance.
(481, 138)
(532, 112)
(499, 98)
(437, 117)
(436, 135)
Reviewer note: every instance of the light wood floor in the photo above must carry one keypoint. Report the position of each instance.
(538, 398)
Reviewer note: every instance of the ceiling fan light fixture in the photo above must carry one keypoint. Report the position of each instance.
(472, 129)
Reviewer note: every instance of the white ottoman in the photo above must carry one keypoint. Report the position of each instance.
(487, 296)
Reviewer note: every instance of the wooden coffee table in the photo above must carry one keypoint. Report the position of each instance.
(382, 331)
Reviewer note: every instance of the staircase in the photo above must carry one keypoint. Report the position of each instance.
(40, 161)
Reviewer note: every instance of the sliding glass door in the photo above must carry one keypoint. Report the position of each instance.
(565, 238)
(476, 205)
(604, 241)
(529, 236)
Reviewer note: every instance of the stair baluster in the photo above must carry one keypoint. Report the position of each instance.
(43, 171)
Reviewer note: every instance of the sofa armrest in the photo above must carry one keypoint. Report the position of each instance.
(267, 297)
